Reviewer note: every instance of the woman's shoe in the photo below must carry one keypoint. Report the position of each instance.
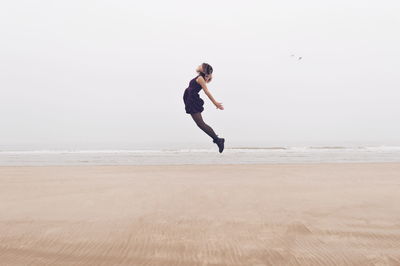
(220, 142)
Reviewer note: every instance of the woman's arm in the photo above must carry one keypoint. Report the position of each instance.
(203, 84)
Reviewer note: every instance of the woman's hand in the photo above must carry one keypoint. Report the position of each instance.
(219, 105)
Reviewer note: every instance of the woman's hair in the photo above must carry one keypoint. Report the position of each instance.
(207, 70)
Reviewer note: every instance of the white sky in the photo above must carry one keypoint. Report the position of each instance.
(111, 74)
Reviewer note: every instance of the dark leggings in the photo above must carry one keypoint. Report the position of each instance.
(203, 126)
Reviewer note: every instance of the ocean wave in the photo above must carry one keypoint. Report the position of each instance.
(258, 148)
(212, 150)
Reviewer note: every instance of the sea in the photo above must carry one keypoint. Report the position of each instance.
(231, 155)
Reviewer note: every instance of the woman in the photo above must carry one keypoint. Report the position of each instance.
(194, 104)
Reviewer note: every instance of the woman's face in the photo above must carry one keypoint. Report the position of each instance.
(209, 78)
(200, 69)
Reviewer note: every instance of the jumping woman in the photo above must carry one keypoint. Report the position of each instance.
(194, 104)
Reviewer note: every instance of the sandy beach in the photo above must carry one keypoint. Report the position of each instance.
(271, 214)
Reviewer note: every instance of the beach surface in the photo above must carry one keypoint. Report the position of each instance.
(255, 214)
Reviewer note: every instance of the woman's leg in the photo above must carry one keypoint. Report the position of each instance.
(203, 126)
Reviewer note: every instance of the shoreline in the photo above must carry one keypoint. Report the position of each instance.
(204, 164)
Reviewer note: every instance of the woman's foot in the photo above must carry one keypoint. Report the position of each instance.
(220, 142)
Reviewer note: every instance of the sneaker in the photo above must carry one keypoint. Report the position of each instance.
(220, 142)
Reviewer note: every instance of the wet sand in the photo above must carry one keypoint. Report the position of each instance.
(276, 214)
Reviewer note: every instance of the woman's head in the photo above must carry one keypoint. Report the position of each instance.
(205, 70)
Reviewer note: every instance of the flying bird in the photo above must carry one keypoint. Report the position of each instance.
(297, 57)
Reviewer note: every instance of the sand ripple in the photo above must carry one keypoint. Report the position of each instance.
(193, 242)
(339, 214)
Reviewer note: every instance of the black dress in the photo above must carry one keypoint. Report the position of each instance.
(191, 98)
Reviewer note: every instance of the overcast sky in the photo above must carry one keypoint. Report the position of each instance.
(111, 74)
